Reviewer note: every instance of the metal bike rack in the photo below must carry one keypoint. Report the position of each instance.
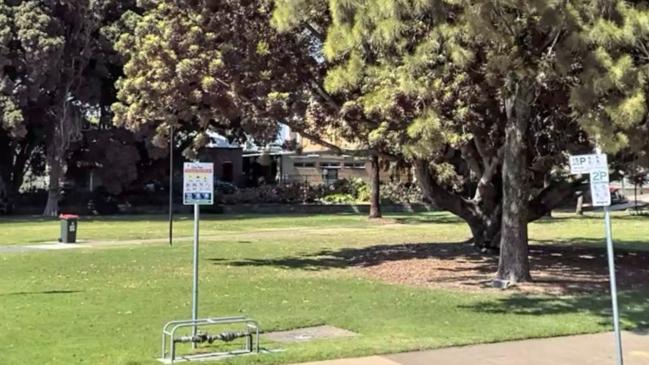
(170, 337)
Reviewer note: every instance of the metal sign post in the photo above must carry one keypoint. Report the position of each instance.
(198, 189)
(597, 166)
(611, 270)
(171, 185)
(197, 213)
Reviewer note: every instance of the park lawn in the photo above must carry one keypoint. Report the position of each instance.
(32, 230)
(107, 306)
(629, 231)
(566, 228)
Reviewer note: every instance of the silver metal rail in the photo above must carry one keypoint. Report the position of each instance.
(170, 338)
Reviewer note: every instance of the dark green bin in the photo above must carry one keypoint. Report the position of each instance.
(69, 225)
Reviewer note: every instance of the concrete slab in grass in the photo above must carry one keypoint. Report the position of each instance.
(308, 334)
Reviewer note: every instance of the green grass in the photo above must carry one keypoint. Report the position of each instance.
(107, 306)
(31, 230)
(629, 231)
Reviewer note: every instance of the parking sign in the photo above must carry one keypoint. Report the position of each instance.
(597, 166)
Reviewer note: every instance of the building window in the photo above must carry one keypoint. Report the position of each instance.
(303, 164)
(329, 164)
(329, 176)
(355, 165)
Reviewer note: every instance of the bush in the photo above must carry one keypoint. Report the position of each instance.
(338, 199)
(284, 193)
(342, 191)
(356, 188)
(401, 193)
(224, 188)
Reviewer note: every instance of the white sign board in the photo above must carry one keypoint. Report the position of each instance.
(585, 164)
(198, 183)
(599, 189)
(597, 166)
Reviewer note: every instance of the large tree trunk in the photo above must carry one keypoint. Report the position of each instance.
(55, 173)
(6, 167)
(513, 265)
(375, 194)
(4, 196)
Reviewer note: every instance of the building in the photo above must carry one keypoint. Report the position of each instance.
(227, 158)
(307, 162)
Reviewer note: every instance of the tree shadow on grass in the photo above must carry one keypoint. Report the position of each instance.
(25, 219)
(428, 219)
(358, 257)
(555, 268)
(634, 307)
(45, 292)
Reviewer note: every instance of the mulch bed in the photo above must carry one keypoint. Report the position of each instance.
(561, 270)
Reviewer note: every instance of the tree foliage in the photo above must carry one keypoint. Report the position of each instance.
(447, 81)
(205, 65)
(56, 61)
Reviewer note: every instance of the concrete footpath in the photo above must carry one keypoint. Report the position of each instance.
(597, 349)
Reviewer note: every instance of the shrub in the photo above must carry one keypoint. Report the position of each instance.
(338, 198)
(401, 193)
(283, 193)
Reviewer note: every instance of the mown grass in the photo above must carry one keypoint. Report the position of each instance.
(31, 230)
(107, 306)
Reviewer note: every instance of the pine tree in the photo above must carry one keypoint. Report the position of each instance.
(486, 97)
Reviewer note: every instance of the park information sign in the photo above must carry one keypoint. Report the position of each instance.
(198, 183)
(597, 166)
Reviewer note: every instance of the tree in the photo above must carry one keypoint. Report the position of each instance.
(231, 73)
(54, 56)
(486, 97)
(17, 157)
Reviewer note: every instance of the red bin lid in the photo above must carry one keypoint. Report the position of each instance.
(68, 216)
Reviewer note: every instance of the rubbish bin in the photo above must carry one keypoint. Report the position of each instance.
(69, 224)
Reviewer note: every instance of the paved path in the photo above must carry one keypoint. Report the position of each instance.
(597, 349)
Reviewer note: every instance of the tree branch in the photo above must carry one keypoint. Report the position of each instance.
(552, 196)
(441, 197)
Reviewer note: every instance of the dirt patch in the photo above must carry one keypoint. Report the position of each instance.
(555, 269)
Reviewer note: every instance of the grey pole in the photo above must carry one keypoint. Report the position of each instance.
(171, 184)
(611, 269)
(195, 285)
